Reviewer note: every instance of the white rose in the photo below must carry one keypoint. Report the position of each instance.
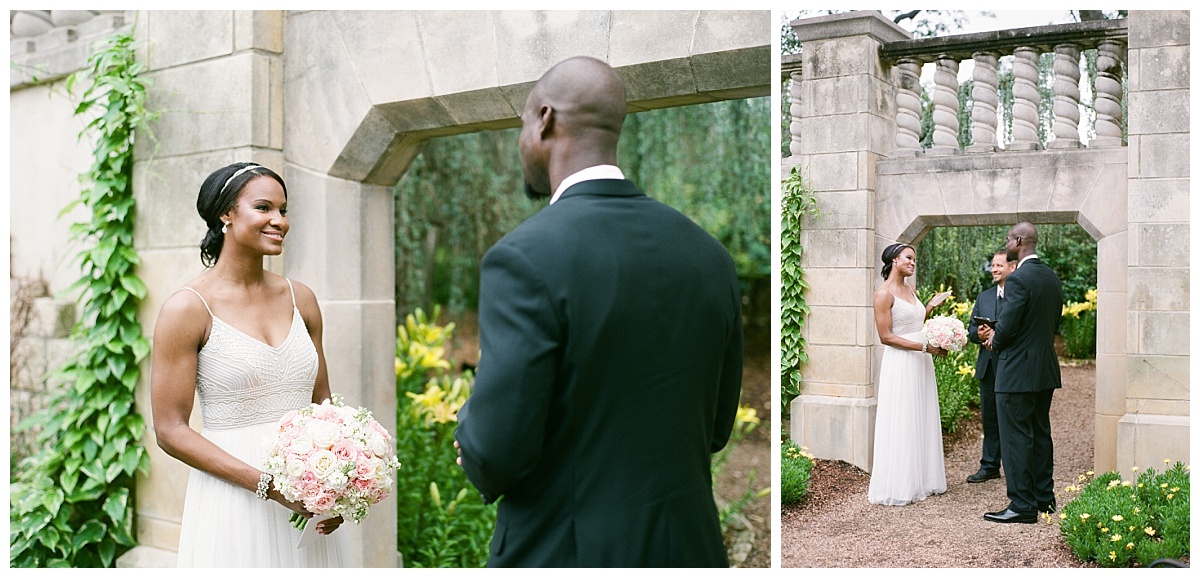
(302, 445)
(324, 434)
(323, 463)
(377, 444)
(296, 467)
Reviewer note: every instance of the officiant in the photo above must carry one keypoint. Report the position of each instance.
(987, 308)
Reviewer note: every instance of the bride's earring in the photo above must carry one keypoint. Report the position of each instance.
(224, 227)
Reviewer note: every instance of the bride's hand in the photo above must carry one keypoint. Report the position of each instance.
(938, 351)
(328, 526)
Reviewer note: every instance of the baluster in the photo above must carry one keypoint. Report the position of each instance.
(794, 126)
(1025, 99)
(1110, 56)
(987, 100)
(945, 106)
(1066, 96)
(908, 107)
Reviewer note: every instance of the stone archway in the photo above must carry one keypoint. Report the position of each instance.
(342, 101)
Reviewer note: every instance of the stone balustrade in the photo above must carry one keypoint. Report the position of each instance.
(1025, 45)
(45, 45)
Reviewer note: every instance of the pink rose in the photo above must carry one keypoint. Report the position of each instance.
(345, 450)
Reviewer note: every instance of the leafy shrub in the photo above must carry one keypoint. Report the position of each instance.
(1079, 327)
(795, 469)
(957, 387)
(744, 422)
(431, 532)
(1116, 523)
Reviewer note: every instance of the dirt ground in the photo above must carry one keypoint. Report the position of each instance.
(749, 542)
(835, 527)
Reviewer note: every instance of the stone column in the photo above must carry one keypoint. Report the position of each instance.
(1066, 97)
(847, 121)
(987, 102)
(1025, 100)
(1155, 425)
(1110, 59)
(945, 106)
(908, 107)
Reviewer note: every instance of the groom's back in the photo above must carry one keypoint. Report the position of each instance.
(647, 380)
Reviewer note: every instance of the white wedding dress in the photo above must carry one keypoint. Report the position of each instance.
(908, 465)
(245, 387)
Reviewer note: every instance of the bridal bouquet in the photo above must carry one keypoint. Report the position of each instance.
(945, 332)
(334, 459)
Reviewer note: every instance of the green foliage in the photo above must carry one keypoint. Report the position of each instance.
(462, 193)
(745, 422)
(958, 390)
(432, 532)
(72, 502)
(1079, 328)
(1119, 524)
(795, 471)
(797, 202)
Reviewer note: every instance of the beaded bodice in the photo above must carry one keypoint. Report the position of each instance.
(907, 318)
(243, 381)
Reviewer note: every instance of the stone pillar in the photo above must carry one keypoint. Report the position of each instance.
(908, 107)
(794, 112)
(1110, 58)
(1066, 97)
(1155, 425)
(945, 106)
(987, 101)
(847, 121)
(1025, 100)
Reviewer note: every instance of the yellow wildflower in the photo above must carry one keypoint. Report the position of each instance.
(1137, 510)
(1112, 556)
(1135, 468)
(1149, 531)
(966, 369)
(1091, 473)
(1115, 538)
(1118, 518)
(1129, 546)
(1084, 516)
(1062, 516)
(1167, 461)
(1164, 485)
(1170, 496)
(1175, 489)
(1102, 528)
(1126, 484)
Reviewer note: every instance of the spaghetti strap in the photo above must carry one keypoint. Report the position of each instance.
(210, 313)
(293, 290)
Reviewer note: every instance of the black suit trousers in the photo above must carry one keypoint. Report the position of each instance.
(1027, 448)
(990, 459)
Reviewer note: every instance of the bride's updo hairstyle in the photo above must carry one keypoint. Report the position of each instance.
(890, 255)
(218, 195)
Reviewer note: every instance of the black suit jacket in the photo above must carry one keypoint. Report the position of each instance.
(1024, 338)
(985, 306)
(610, 368)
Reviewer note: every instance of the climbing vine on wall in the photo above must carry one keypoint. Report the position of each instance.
(71, 504)
(798, 201)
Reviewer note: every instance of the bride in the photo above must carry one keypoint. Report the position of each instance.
(248, 342)
(908, 464)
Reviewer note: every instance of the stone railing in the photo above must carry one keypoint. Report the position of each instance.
(45, 45)
(1026, 45)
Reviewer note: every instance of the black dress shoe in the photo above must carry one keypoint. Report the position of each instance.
(982, 476)
(1048, 508)
(1008, 516)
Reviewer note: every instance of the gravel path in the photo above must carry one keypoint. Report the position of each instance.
(835, 527)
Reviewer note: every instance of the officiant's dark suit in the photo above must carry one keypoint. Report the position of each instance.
(987, 305)
(611, 359)
(1027, 374)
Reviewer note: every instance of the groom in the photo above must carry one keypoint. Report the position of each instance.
(1026, 376)
(611, 354)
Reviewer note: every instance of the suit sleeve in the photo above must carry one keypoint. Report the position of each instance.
(730, 392)
(502, 424)
(972, 327)
(1016, 301)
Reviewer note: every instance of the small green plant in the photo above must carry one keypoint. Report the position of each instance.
(1079, 327)
(71, 504)
(744, 422)
(432, 533)
(1117, 523)
(798, 201)
(795, 471)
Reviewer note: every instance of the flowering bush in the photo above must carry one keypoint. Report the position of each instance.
(1117, 523)
(333, 458)
(795, 469)
(957, 387)
(1079, 327)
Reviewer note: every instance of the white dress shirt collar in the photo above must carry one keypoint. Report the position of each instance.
(1028, 257)
(588, 174)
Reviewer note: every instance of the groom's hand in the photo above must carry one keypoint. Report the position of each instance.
(458, 448)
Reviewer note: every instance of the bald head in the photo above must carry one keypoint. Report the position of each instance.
(586, 95)
(572, 120)
(1021, 241)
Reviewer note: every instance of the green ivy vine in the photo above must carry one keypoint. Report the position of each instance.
(798, 201)
(71, 504)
